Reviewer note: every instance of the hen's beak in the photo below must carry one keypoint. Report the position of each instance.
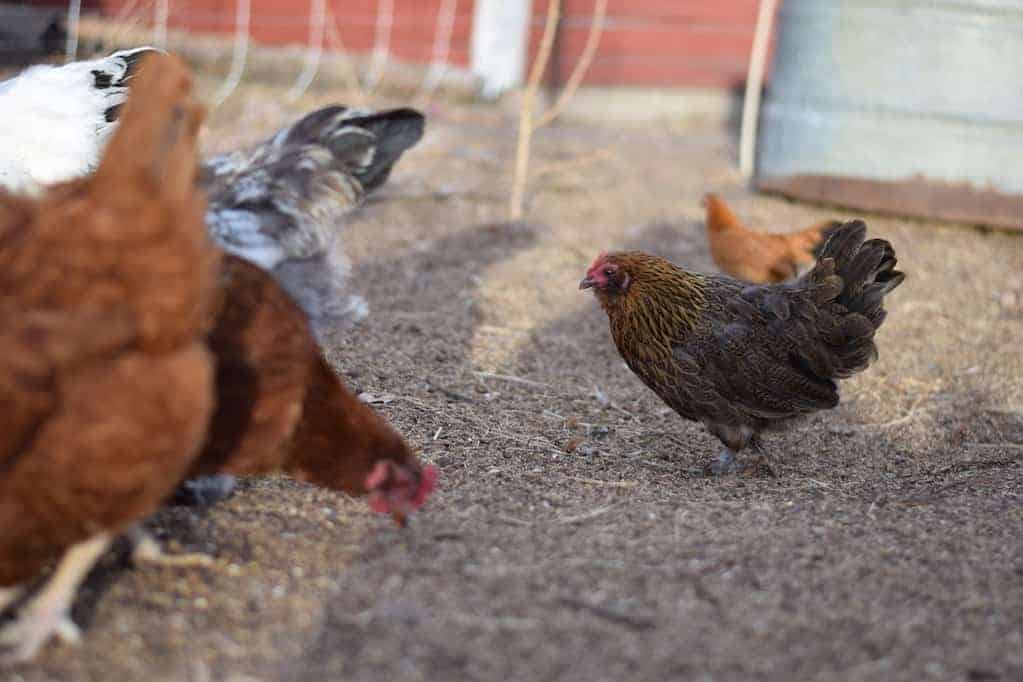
(587, 283)
(400, 520)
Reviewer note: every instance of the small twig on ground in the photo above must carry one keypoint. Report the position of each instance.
(513, 521)
(514, 380)
(592, 514)
(935, 495)
(904, 418)
(559, 167)
(996, 446)
(610, 484)
(494, 623)
(633, 622)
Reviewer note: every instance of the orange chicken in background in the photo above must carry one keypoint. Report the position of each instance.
(759, 257)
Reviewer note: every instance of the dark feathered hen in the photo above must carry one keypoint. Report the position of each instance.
(742, 358)
(282, 203)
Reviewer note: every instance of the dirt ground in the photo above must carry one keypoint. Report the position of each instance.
(573, 536)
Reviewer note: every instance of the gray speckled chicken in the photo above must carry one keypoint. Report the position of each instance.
(281, 204)
(739, 358)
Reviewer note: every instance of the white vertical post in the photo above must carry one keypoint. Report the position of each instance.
(74, 12)
(500, 35)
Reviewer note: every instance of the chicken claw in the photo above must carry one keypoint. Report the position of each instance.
(724, 464)
(147, 550)
(47, 613)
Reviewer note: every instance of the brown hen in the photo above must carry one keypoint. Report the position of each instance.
(741, 358)
(759, 257)
(106, 291)
(281, 407)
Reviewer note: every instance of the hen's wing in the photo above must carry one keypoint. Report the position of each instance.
(286, 197)
(264, 352)
(282, 203)
(57, 118)
(37, 347)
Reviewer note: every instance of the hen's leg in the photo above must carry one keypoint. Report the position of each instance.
(48, 613)
(763, 457)
(9, 595)
(724, 464)
(146, 550)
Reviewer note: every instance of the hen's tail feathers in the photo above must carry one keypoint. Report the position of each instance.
(366, 144)
(156, 140)
(856, 273)
(825, 229)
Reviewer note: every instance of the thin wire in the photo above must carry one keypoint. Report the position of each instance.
(162, 11)
(241, 50)
(123, 22)
(317, 25)
(74, 13)
(582, 66)
(381, 42)
(446, 13)
(754, 86)
(351, 74)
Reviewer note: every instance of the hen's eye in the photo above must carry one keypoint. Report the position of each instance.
(608, 272)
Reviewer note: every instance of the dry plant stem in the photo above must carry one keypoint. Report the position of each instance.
(754, 85)
(526, 110)
(581, 67)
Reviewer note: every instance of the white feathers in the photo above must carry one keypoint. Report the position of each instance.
(240, 232)
(55, 119)
(281, 204)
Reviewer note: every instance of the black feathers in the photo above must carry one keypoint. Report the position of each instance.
(118, 73)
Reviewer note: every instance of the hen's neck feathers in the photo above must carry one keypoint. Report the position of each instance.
(662, 304)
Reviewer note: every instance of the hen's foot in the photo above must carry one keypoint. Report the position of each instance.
(724, 464)
(146, 550)
(46, 614)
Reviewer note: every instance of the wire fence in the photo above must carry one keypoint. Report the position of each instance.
(657, 43)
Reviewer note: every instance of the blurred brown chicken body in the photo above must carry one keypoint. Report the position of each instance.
(759, 257)
(281, 407)
(106, 292)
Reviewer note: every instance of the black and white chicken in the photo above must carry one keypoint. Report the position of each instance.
(280, 204)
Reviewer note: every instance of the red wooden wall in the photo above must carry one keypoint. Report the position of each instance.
(645, 42)
(657, 42)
